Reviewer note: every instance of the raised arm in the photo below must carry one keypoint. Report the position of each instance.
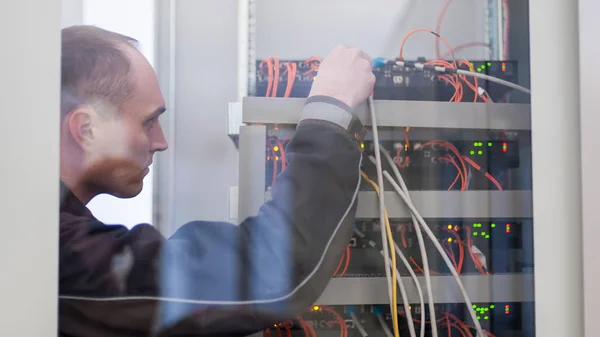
(221, 279)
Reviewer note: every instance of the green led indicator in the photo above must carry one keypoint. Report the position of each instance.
(480, 152)
(480, 144)
(483, 233)
(478, 69)
(472, 152)
(483, 66)
(474, 305)
(478, 317)
(489, 144)
(472, 64)
(475, 144)
(487, 309)
(489, 64)
(492, 306)
(486, 318)
(493, 225)
(475, 233)
(487, 236)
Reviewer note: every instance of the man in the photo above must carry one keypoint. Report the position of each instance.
(208, 278)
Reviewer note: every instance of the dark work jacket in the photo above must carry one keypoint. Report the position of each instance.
(212, 278)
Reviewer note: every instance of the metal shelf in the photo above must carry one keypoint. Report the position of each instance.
(480, 288)
(418, 114)
(448, 204)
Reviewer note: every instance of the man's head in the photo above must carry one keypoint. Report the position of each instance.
(110, 103)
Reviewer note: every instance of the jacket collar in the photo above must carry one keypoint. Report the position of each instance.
(70, 204)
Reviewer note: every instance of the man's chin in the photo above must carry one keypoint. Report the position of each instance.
(129, 191)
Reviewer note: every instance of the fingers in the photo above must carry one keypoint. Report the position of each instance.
(353, 50)
(365, 56)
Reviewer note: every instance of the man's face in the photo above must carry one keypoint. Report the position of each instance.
(124, 145)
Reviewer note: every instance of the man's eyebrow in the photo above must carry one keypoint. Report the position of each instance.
(159, 111)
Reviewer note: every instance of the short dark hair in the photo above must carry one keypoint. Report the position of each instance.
(94, 67)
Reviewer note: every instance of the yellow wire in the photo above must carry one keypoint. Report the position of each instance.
(393, 253)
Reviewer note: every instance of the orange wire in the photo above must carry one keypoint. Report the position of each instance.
(468, 45)
(487, 175)
(276, 76)
(312, 330)
(461, 251)
(339, 319)
(467, 327)
(304, 326)
(475, 86)
(287, 329)
(291, 68)
(454, 150)
(315, 62)
(450, 254)
(429, 31)
(347, 261)
(449, 158)
(438, 26)
(274, 155)
(270, 70)
(282, 151)
(340, 264)
(452, 79)
(476, 261)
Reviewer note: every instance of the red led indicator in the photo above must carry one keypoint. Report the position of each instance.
(504, 147)
(507, 228)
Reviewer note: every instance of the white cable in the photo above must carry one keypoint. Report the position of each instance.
(391, 162)
(423, 251)
(493, 79)
(403, 293)
(419, 292)
(359, 326)
(386, 329)
(382, 226)
(437, 245)
(421, 66)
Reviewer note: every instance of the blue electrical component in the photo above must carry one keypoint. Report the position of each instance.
(351, 309)
(379, 62)
(378, 310)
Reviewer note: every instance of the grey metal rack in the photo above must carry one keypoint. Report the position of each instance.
(265, 110)
(480, 288)
(447, 204)
(257, 112)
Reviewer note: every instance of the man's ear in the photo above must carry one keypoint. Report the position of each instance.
(79, 123)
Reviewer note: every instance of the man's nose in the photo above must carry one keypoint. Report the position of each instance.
(159, 142)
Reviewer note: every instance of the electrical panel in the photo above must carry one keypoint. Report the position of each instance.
(505, 318)
(293, 78)
(465, 156)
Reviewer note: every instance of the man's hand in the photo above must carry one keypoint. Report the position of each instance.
(345, 74)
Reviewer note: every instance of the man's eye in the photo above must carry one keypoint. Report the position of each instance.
(150, 124)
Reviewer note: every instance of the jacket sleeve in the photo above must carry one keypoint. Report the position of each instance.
(214, 278)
